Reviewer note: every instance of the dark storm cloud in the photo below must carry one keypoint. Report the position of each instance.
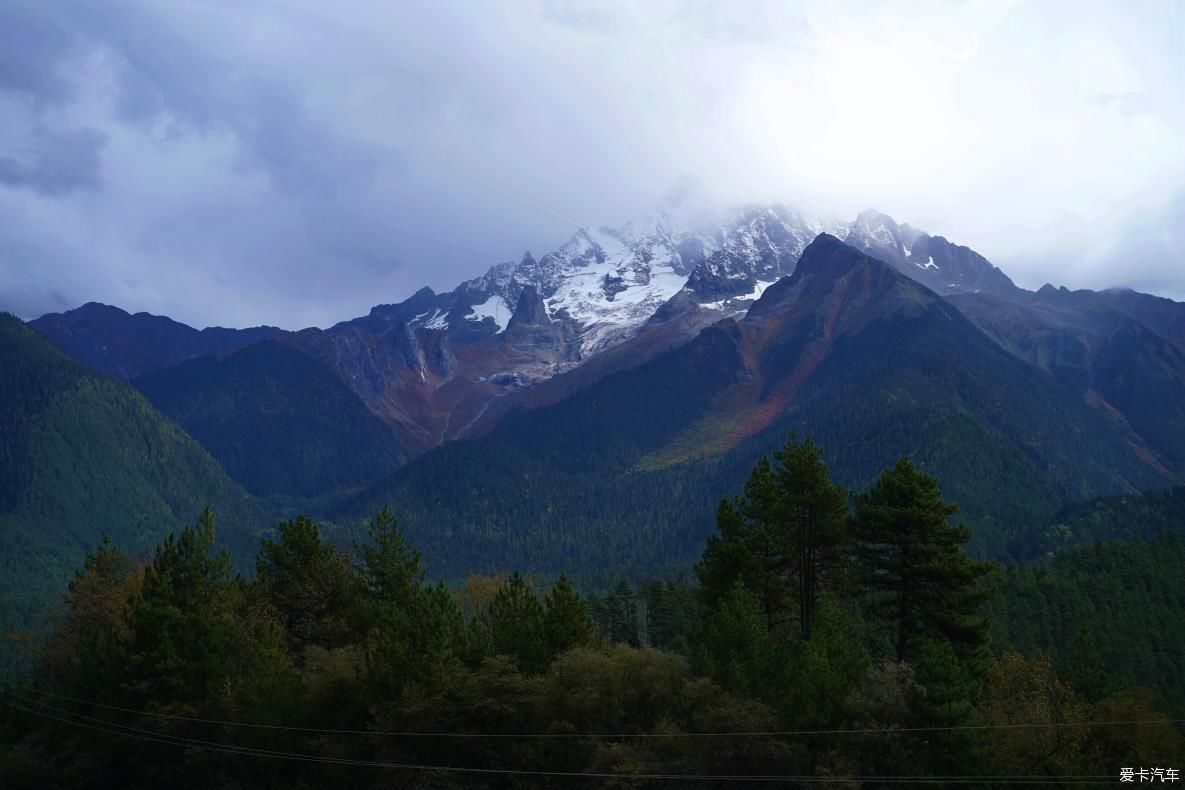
(172, 83)
(295, 162)
(56, 162)
(159, 75)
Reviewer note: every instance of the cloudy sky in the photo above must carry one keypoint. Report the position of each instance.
(238, 162)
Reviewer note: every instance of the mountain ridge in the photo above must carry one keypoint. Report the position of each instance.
(872, 364)
(439, 367)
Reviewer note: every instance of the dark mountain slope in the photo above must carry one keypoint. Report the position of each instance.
(279, 421)
(870, 363)
(84, 455)
(1119, 365)
(1163, 316)
(845, 327)
(1143, 376)
(127, 346)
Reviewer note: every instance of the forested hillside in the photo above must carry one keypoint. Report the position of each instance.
(1112, 614)
(823, 639)
(1137, 516)
(84, 455)
(279, 421)
(867, 361)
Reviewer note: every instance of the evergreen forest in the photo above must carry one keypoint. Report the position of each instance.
(823, 638)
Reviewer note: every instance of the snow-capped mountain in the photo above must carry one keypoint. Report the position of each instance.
(607, 282)
(437, 367)
(764, 246)
(941, 266)
(604, 282)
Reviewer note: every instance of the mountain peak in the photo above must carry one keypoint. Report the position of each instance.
(89, 310)
(530, 310)
(824, 241)
(876, 229)
(874, 215)
(829, 256)
(825, 259)
(828, 267)
(940, 265)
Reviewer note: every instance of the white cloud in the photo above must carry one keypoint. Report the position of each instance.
(294, 163)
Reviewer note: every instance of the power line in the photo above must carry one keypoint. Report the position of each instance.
(176, 740)
(607, 735)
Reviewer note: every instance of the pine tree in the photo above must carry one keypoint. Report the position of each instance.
(785, 538)
(565, 619)
(516, 621)
(188, 642)
(671, 608)
(946, 688)
(392, 570)
(416, 646)
(752, 546)
(824, 670)
(89, 648)
(308, 582)
(621, 616)
(816, 514)
(415, 630)
(911, 563)
(734, 647)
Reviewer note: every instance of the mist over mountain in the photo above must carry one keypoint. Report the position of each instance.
(439, 367)
(591, 393)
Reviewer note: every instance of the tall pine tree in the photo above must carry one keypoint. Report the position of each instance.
(815, 513)
(784, 538)
(517, 629)
(309, 583)
(565, 618)
(910, 562)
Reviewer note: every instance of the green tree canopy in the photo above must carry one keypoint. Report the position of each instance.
(309, 583)
(910, 562)
(784, 538)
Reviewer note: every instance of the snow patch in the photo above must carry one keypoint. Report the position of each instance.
(640, 260)
(609, 281)
(496, 308)
(752, 296)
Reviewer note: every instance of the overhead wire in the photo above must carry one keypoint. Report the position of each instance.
(175, 740)
(607, 735)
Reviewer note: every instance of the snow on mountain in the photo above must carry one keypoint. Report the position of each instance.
(437, 320)
(607, 282)
(760, 246)
(931, 260)
(610, 281)
(496, 308)
(601, 286)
